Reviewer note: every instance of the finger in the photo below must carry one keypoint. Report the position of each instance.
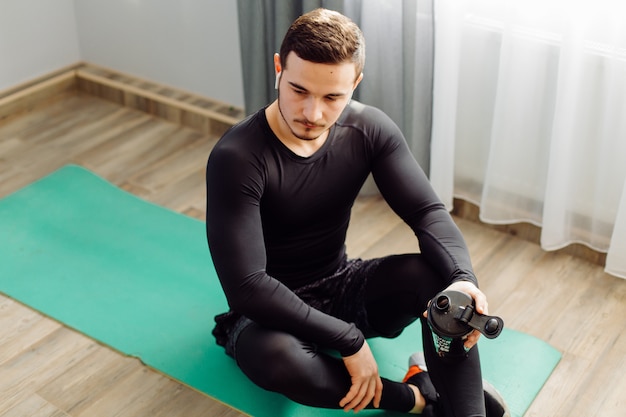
(367, 398)
(425, 314)
(471, 339)
(364, 400)
(354, 390)
(480, 299)
(353, 397)
(357, 398)
(482, 306)
(379, 392)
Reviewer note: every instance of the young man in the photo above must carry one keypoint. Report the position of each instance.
(280, 187)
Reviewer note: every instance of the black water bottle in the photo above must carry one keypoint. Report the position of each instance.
(452, 317)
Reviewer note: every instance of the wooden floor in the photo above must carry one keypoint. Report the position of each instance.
(48, 370)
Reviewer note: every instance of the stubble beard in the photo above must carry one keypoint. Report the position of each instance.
(301, 137)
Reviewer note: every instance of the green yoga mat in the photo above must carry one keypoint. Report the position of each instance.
(138, 277)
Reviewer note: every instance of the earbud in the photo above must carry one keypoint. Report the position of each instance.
(279, 70)
(277, 80)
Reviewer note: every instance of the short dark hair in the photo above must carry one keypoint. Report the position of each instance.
(326, 37)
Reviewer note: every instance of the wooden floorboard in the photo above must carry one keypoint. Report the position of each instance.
(47, 369)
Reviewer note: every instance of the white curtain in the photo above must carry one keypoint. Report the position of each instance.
(529, 117)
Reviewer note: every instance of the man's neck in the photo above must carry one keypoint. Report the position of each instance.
(300, 147)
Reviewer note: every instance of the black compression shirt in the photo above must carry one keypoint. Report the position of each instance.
(277, 221)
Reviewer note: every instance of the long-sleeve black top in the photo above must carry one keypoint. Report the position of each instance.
(277, 221)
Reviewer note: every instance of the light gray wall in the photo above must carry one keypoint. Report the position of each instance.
(36, 38)
(191, 45)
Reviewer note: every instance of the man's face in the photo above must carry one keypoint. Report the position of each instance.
(312, 96)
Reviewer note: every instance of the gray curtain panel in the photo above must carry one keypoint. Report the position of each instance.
(398, 68)
(262, 26)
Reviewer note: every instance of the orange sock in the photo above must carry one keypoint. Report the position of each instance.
(413, 370)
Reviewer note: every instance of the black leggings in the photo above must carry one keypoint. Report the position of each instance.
(396, 294)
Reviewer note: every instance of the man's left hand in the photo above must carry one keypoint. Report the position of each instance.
(480, 299)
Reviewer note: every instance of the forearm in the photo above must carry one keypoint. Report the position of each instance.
(273, 305)
(410, 194)
(443, 245)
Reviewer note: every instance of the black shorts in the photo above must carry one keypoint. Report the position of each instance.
(341, 295)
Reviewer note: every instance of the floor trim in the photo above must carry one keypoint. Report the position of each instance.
(187, 109)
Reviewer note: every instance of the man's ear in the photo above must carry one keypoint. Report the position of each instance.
(357, 81)
(277, 70)
(277, 66)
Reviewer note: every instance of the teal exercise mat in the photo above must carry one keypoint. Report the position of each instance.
(139, 278)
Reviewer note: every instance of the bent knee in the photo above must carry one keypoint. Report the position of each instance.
(274, 362)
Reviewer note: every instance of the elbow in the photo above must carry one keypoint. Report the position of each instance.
(244, 297)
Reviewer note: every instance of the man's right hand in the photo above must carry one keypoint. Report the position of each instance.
(366, 383)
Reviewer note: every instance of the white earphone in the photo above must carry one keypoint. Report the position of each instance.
(277, 80)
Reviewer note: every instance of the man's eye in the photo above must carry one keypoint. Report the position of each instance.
(300, 92)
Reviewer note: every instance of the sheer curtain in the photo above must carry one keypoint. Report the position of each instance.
(529, 117)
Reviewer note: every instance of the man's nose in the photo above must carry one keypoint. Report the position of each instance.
(313, 109)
